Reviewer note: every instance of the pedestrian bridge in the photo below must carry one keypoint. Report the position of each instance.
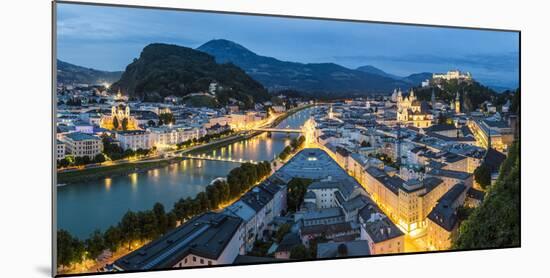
(287, 130)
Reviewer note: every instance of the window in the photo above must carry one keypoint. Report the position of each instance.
(209, 262)
(202, 261)
(194, 258)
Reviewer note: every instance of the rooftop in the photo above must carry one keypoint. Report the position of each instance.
(444, 213)
(449, 174)
(343, 249)
(79, 136)
(313, 164)
(322, 213)
(206, 235)
(288, 242)
(392, 183)
(377, 225)
(327, 229)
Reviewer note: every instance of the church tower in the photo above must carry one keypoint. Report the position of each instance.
(457, 103)
(399, 96)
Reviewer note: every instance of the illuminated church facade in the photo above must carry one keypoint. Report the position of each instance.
(119, 112)
(411, 111)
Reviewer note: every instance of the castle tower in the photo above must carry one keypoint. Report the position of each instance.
(457, 103)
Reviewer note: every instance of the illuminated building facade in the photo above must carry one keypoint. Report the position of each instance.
(411, 111)
(119, 112)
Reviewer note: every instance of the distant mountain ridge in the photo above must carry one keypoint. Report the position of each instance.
(166, 69)
(377, 71)
(277, 75)
(68, 73)
(414, 79)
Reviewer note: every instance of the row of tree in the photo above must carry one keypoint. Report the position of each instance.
(71, 160)
(151, 224)
(204, 139)
(133, 227)
(123, 124)
(239, 180)
(295, 144)
(115, 152)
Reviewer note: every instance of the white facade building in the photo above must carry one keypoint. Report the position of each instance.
(81, 144)
(135, 139)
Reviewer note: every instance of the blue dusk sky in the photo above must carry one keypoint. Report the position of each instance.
(109, 38)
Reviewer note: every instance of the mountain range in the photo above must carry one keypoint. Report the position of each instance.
(164, 69)
(69, 73)
(276, 75)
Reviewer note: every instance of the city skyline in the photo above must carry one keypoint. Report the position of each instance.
(202, 153)
(112, 37)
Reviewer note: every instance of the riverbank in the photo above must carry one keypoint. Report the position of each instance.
(112, 171)
(66, 178)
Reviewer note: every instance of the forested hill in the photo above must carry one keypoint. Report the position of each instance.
(472, 95)
(164, 69)
(496, 223)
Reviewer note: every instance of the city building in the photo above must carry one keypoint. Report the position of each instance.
(80, 144)
(135, 139)
(492, 132)
(120, 118)
(257, 208)
(378, 230)
(59, 149)
(288, 242)
(443, 220)
(208, 239)
(411, 111)
(452, 75)
(354, 248)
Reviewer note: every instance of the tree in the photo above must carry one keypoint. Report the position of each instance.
(125, 124)
(167, 118)
(299, 252)
(99, 158)
(282, 231)
(161, 219)
(115, 123)
(297, 188)
(129, 229)
(482, 176)
(112, 238)
(67, 249)
(496, 222)
(95, 244)
(171, 220)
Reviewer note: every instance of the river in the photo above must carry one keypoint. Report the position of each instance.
(85, 206)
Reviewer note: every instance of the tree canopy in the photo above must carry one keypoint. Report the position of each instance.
(496, 223)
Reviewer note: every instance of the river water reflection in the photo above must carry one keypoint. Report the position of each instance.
(97, 204)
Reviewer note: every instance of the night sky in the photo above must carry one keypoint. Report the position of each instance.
(109, 38)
